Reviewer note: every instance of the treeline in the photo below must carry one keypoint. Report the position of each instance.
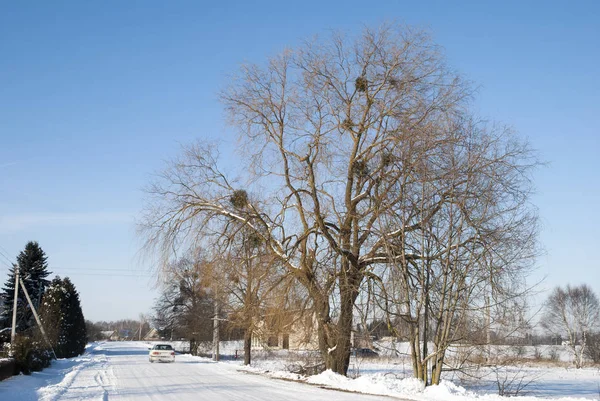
(124, 329)
(62, 333)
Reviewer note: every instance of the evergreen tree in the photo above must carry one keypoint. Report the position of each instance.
(63, 319)
(73, 324)
(33, 269)
(50, 311)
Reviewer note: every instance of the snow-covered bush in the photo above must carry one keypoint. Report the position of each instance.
(30, 355)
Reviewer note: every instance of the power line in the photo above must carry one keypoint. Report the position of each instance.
(96, 269)
(105, 274)
(4, 249)
(108, 272)
(9, 266)
(5, 258)
(10, 262)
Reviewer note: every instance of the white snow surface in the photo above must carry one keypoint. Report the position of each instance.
(121, 371)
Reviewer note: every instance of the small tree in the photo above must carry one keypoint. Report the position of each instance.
(254, 280)
(185, 306)
(573, 312)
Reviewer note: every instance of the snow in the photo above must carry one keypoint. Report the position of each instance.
(391, 375)
(121, 371)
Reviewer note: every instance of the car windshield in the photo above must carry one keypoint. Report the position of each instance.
(163, 347)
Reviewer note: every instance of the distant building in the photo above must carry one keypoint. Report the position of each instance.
(292, 332)
(110, 335)
(152, 335)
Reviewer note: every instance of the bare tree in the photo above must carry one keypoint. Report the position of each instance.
(185, 305)
(466, 232)
(573, 312)
(254, 281)
(337, 137)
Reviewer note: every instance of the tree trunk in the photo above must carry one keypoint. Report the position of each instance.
(193, 348)
(324, 332)
(334, 338)
(247, 346)
(419, 366)
(426, 331)
(436, 368)
(341, 355)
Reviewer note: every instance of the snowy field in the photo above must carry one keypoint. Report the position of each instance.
(547, 375)
(121, 371)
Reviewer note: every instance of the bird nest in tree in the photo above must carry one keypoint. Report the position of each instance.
(387, 159)
(361, 168)
(239, 199)
(347, 124)
(254, 240)
(394, 82)
(361, 84)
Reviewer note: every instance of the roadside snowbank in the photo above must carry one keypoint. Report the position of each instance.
(410, 388)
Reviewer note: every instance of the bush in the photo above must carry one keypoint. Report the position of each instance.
(592, 350)
(305, 363)
(30, 356)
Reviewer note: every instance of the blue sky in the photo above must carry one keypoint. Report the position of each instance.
(94, 96)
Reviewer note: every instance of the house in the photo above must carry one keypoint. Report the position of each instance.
(299, 333)
(110, 335)
(289, 331)
(152, 335)
(126, 334)
(107, 334)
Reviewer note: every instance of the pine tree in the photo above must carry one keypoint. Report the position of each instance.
(73, 324)
(63, 319)
(32, 263)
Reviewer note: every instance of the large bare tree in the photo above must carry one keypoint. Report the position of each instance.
(356, 151)
(573, 312)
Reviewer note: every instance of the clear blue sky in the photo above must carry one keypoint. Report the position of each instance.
(95, 95)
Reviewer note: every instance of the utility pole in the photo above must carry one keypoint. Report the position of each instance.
(142, 321)
(37, 318)
(216, 339)
(13, 332)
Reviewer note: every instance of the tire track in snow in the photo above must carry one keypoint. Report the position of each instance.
(99, 379)
(56, 391)
(106, 380)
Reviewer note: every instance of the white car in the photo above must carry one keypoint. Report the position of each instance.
(162, 353)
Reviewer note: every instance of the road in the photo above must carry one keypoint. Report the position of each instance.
(121, 371)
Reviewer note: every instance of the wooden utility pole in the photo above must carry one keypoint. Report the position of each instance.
(216, 338)
(13, 332)
(142, 321)
(37, 318)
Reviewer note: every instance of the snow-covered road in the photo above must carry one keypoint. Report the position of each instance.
(121, 371)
